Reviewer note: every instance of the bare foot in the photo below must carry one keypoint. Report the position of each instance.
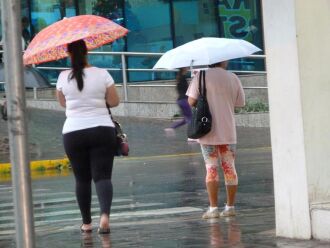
(86, 227)
(104, 221)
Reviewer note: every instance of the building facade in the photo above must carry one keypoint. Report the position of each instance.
(155, 26)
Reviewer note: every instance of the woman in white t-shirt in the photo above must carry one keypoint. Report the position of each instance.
(88, 132)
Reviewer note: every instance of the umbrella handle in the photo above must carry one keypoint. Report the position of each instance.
(191, 65)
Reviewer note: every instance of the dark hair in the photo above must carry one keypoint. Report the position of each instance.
(25, 19)
(215, 65)
(78, 53)
(181, 73)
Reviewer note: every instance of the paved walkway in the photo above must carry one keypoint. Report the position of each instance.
(159, 194)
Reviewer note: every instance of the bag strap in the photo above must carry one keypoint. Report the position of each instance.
(202, 87)
(108, 108)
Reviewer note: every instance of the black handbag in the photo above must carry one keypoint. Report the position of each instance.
(201, 121)
(122, 148)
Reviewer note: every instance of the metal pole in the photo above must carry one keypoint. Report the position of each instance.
(35, 94)
(22, 193)
(124, 72)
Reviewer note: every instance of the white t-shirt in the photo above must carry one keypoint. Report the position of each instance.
(86, 108)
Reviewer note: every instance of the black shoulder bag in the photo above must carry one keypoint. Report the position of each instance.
(122, 148)
(201, 121)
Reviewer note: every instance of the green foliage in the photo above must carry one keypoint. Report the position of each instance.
(253, 107)
(4, 171)
(62, 166)
(177, 115)
(250, 107)
(40, 168)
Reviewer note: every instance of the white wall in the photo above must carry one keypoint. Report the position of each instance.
(313, 35)
(286, 120)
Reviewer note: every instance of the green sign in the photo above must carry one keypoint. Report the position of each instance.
(236, 18)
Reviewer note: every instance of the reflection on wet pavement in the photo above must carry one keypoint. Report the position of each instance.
(103, 241)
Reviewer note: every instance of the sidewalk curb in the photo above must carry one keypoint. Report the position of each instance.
(40, 165)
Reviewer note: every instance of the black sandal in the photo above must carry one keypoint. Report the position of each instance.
(101, 230)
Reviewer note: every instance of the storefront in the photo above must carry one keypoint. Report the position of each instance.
(155, 26)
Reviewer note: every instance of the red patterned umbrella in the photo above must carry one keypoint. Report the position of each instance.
(51, 42)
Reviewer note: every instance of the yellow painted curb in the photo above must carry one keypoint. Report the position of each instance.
(38, 174)
(62, 164)
(161, 156)
(40, 165)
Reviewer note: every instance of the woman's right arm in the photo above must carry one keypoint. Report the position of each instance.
(111, 96)
(59, 94)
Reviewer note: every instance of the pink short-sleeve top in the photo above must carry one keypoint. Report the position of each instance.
(224, 93)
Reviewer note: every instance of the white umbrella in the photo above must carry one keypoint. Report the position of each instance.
(205, 51)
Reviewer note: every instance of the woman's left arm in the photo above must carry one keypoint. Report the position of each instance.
(61, 98)
(193, 91)
(111, 96)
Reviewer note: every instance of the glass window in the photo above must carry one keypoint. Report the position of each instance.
(26, 30)
(0, 23)
(150, 31)
(26, 24)
(199, 21)
(112, 10)
(25, 21)
(2, 85)
(46, 12)
(241, 19)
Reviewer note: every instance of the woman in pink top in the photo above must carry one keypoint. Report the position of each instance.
(224, 93)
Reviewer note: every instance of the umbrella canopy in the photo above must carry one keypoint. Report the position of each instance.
(205, 51)
(51, 43)
(32, 77)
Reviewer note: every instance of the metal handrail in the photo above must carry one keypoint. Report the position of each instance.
(125, 70)
(141, 70)
(173, 85)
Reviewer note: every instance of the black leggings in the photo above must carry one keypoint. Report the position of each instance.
(91, 153)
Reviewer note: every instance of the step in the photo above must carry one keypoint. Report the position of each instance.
(320, 215)
(161, 110)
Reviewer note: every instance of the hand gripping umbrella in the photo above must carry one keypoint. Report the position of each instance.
(205, 51)
(51, 42)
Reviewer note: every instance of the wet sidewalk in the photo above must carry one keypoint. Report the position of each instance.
(159, 193)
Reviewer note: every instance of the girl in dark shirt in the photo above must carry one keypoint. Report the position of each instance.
(182, 101)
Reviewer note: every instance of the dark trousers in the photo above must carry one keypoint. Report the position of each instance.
(186, 111)
(91, 154)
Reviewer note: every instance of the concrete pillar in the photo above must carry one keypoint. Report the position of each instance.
(297, 41)
(313, 29)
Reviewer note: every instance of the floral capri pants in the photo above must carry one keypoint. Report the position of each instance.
(226, 154)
